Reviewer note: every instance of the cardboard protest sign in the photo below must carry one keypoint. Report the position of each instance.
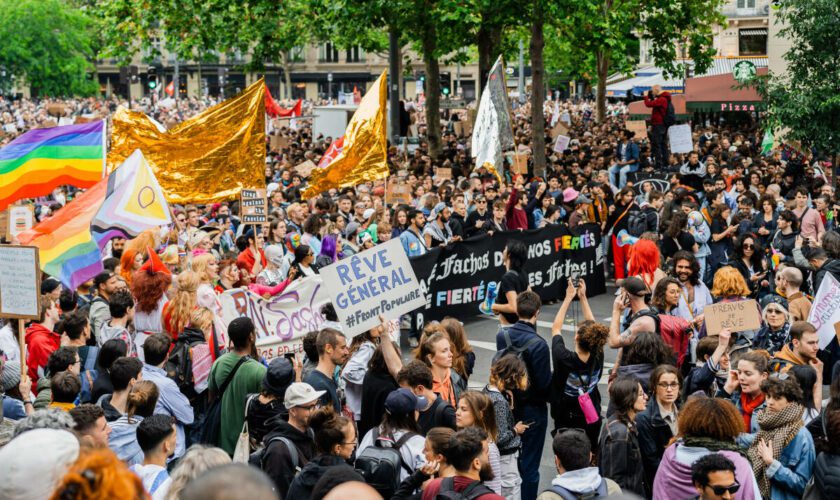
(738, 316)
(254, 206)
(305, 168)
(680, 140)
(4, 224)
(559, 128)
(56, 109)
(20, 282)
(458, 128)
(376, 281)
(825, 315)
(398, 193)
(519, 163)
(443, 173)
(283, 320)
(637, 126)
(562, 143)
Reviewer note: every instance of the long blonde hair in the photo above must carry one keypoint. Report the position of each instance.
(181, 307)
(200, 263)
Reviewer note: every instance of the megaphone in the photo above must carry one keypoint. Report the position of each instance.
(623, 238)
(486, 306)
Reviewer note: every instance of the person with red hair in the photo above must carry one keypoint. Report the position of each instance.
(130, 263)
(99, 474)
(644, 262)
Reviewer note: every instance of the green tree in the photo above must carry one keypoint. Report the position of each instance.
(805, 100)
(46, 45)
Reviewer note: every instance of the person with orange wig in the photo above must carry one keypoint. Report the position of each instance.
(149, 285)
(130, 262)
(644, 262)
(99, 475)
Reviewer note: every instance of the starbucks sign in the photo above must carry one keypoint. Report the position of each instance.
(744, 71)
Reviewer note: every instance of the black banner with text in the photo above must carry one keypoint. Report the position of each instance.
(455, 279)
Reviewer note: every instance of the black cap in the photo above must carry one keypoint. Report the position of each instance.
(49, 285)
(635, 286)
(279, 376)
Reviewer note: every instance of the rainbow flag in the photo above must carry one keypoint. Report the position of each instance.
(125, 203)
(42, 159)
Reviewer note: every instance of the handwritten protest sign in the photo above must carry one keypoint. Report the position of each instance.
(254, 206)
(305, 168)
(443, 173)
(637, 126)
(376, 281)
(559, 128)
(283, 320)
(20, 282)
(825, 315)
(680, 138)
(398, 193)
(562, 143)
(738, 316)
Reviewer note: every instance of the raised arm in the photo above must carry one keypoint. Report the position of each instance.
(584, 302)
(560, 317)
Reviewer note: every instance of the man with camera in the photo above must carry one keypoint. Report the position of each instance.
(658, 101)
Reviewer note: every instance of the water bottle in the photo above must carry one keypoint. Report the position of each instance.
(489, 299)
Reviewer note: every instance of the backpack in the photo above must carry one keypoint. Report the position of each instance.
(179, 366)
(565, 494)
(211, 432)
(672, 330)
(509, 348)
(257, 458)
(637, 223)
(670, 114)
(380, 465)
(471, 492)
(89, 375)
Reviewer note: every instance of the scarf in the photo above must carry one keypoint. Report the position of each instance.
(714, 445)
(778, 428)
(444, 388)
(748, 406)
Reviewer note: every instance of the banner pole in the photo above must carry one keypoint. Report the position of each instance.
(22, 344)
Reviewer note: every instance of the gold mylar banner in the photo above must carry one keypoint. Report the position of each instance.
(364, 157)
(208, 158)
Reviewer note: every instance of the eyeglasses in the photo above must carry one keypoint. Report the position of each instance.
(774, 311)
(720, 490)
(666, 385)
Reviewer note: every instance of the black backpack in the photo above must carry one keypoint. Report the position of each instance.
(637, 223)
(179, 365)
(670, 114)
(380, 465)
(509, 348)
(471, 492)
(210, 433)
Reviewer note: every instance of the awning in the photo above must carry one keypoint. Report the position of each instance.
(753, 32)
(721, 93)
(641, 83)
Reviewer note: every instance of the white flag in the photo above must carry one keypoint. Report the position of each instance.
(824, 312)
(486, 148)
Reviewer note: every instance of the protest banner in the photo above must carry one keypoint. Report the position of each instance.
(377, 281)
(282, 321)
(825, 315)
(254, 206)
(562, 143)
(661, 182)
(637, 126)
(20, 289)
(740, 316)
(455, 278)
(680, 139)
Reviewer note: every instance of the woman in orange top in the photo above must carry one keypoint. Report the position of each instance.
(436, 351)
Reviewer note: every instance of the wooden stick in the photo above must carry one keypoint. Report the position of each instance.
(22, 343)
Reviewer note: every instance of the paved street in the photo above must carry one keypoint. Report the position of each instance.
(481, 332)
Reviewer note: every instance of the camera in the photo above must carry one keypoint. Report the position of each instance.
(575, 277)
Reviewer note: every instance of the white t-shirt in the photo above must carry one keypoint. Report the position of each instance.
(8, 343)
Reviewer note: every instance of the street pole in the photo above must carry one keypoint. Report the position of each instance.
(521, 86)
(177, 83)
(394, 82)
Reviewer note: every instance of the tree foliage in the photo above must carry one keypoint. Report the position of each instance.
(46, 45)
(806, 99)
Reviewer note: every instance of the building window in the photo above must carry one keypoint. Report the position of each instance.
(327, 52)
(752, 42)
(355, 54)
(297, 54)
(746, 4)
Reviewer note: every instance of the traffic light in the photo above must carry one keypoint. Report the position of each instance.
(151, 76)
(223, 73)
(445, 83)
(134, 73)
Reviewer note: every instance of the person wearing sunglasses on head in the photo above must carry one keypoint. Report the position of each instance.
(714, 478)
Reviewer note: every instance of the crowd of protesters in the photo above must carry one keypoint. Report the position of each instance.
(135, 387)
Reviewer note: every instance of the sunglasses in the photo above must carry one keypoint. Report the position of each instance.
(720, 490)
(749, 245)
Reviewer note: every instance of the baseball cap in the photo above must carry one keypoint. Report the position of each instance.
(582, 200)
(403, 402)
(279, 375)
(635, 286)
(301, 393)
(49, 285)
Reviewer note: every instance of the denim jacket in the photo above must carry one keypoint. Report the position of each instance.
(790, 473)
(620, 457)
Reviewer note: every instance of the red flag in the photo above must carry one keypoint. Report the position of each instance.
(333, 151)
(294, 111)
(272, 109)
(170, 89)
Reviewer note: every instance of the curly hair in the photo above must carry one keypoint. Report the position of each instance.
(509, 373)
(706, 417)
(460, 346)
(127, 264)
(692, 263)
(659, 292)
(99, 474)
(591, 336)
(644, 260)
(198, 459)
(757, 259)
(148, 289)
(787, 388)
(729, 282)
(181, 306)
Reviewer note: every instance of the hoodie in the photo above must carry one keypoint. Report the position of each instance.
(304, 482)
(783, 360)
(673, 478)
(580, 482)
(277, 462)
(40, 343)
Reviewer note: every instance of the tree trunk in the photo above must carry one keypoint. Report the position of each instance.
(602, 61)
(489, 41)
(432, 89)
(538, 89)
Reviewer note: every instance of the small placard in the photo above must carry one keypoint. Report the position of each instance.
(519, 163)
(20, 218)
(398, 193)
(740, 316)
(637, 126)
(254, 206)
(443, 173)
(20, 282)
(305, 168)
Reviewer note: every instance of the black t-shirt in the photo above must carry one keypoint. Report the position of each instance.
(570, 373)
(512, 281)
(321, 382)
(375, 388)
(683, 242)
(433, 417)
